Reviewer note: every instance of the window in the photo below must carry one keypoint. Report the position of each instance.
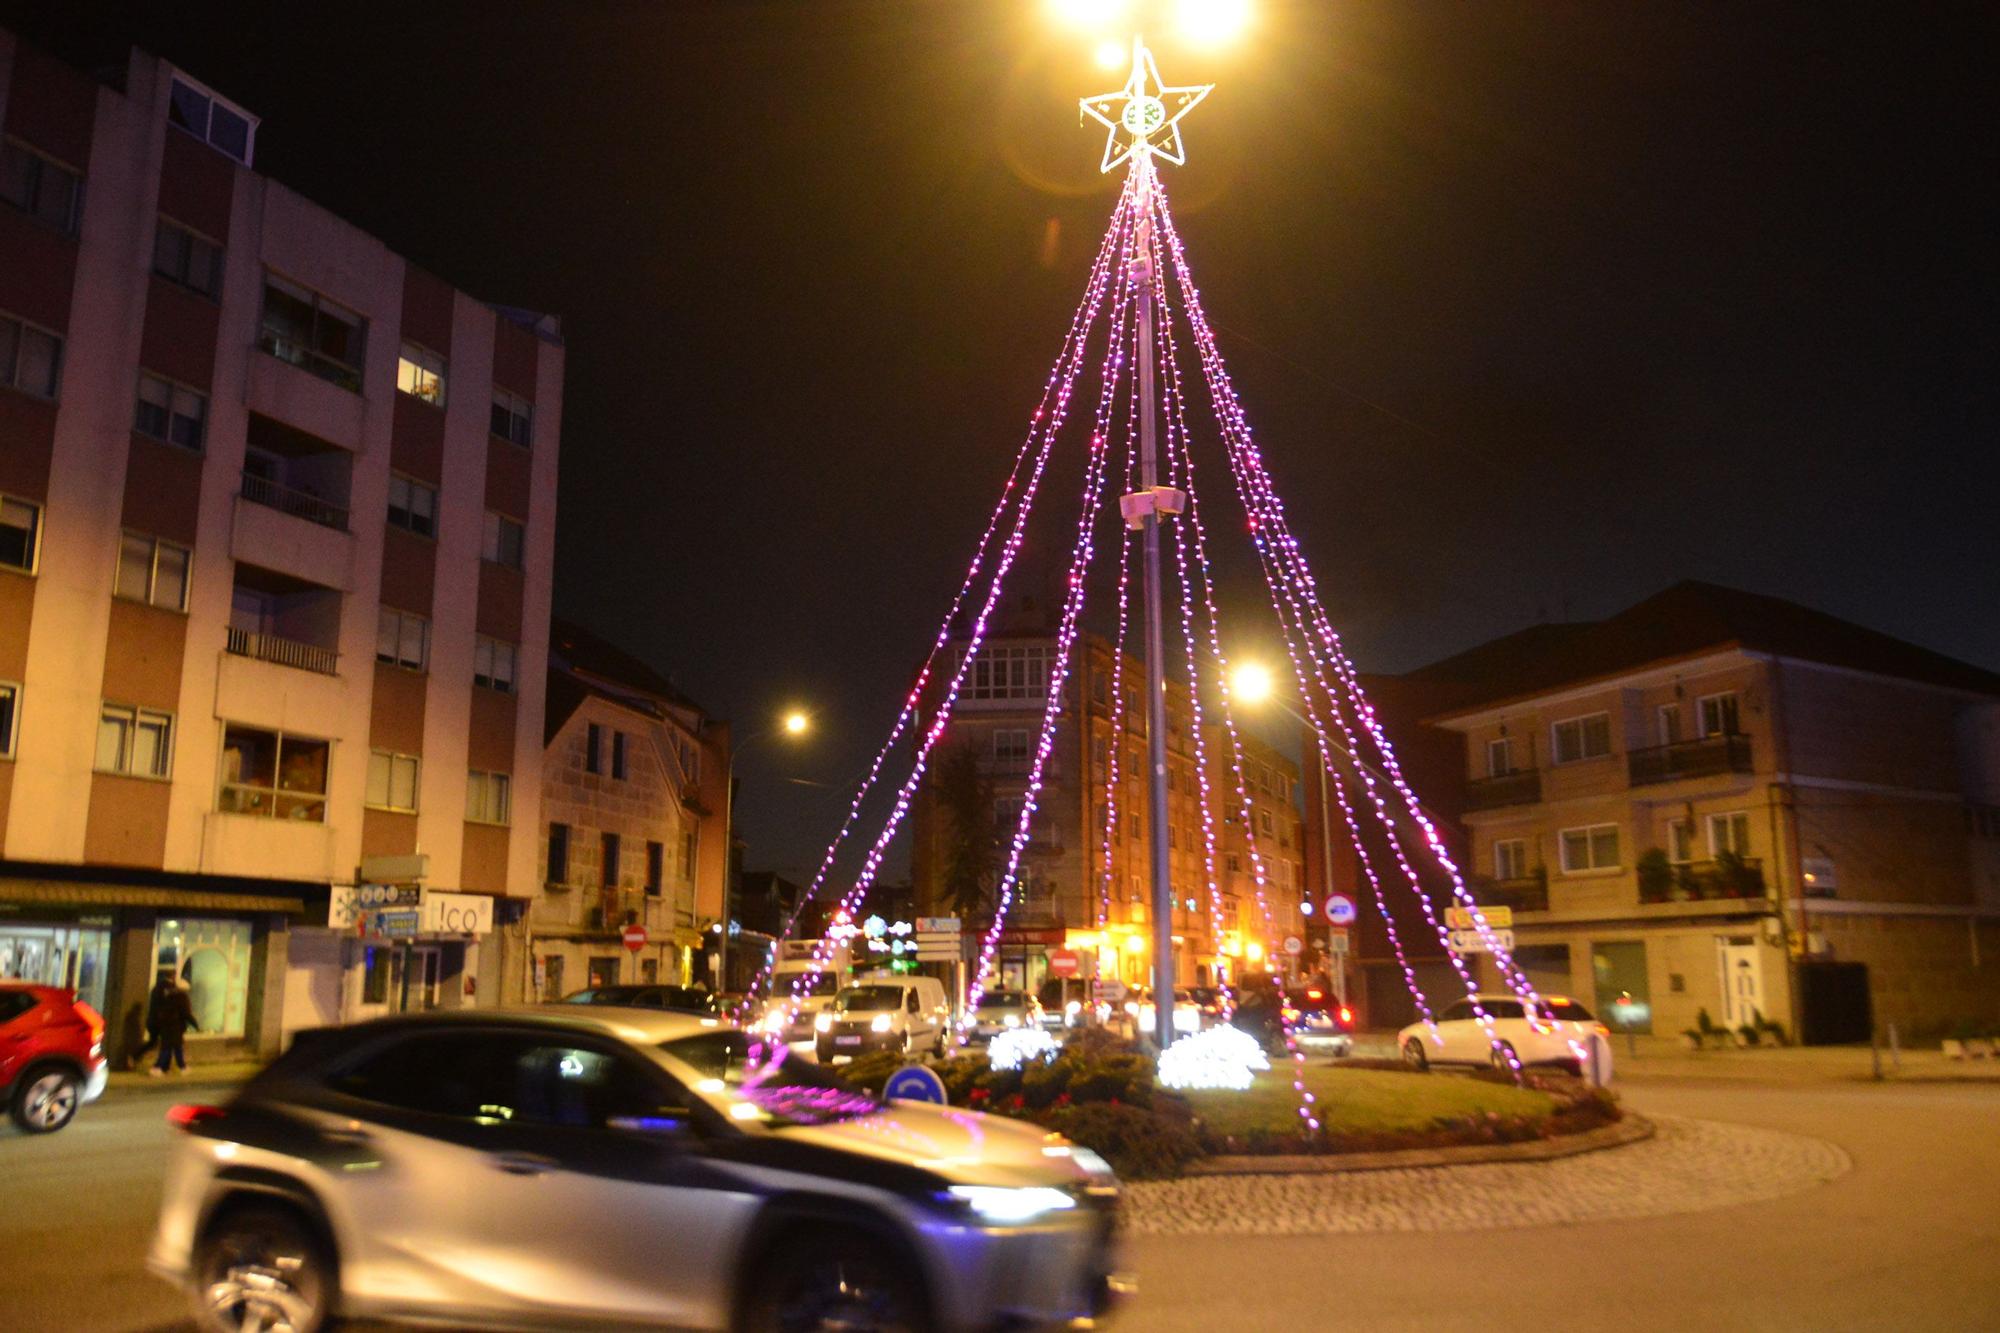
(1007, 814)
(1010, 672)
(1583, 738)
(20, 534)
(170, 413)
(504, 540)
(220, 124)
(486, 797)
(656, 867)
(1264, 824)
(687, 854)
(1729, 833)
(593, 748)
(402, 639)
(152, 571)
(513, 417)
(30, 358)
(516, 1079)
(558, 853)
(392, 781)
(1670, 724)
(493, 665)
(1680, 841)
(40, 186)
(608, 851)
(1011, 745)
(1718, 715)
(618, 755)
(273, 774)
(412, 505)
(1819, 879)
(420, 374)
(10, 711)
(191, 261)
(1592, 848)
(1510, 858)
(307, 330)
(135, 741)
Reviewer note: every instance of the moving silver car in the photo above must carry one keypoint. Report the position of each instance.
(570, 1165)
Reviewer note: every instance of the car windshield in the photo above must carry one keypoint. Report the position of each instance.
(1002, 999)
(782, 1088)
(823, 984)
(869, 999)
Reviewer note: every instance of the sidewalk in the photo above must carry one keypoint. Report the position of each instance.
(204, 1077)
(1640, 1058)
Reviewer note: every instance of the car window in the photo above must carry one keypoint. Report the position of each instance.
(1569, 1011)
(14, 1003)
(910, 1002)
(870, 999)
(501, 1078)
(1002, 999)
(1457, 1012)
(1504, 1008)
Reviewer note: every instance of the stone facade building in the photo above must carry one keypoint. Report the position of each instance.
(634, 823)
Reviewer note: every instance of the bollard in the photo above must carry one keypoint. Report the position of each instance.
(1895, 1050)
(1875, 1053)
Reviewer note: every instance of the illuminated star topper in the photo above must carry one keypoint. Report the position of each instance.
(1148, 121)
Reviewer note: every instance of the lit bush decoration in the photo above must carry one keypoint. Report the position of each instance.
(1222, 1057)
(1016, 1046)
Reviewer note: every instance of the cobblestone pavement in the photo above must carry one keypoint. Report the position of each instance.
(1689, 1165)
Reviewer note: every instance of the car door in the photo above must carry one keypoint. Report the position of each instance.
(1461, 1034)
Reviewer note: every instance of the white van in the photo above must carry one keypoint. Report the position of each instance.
(883, 1012)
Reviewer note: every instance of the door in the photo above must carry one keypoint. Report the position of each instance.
(920, 1022)
(1742, 980)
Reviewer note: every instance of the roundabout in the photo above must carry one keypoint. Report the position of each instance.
(1688, 1165)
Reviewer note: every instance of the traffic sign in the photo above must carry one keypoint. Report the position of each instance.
(635, 937)
(938, 925)
(1336, 940)
(1470, 941)
(1340, 909)
(1497, 917)
(1063, 963)
(1294, 945)
(914, 1083)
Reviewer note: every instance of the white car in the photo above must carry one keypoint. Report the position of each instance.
(1566, 1034)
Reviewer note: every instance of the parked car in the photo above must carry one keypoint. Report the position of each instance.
(905, 1014)
(569, 1165)
(681, 999)
(51, 1055)
(1001, 1010)
(1187, 1015)
(1565, 1034)
(1321, 1020)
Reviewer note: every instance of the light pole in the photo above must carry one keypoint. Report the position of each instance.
(793, 725)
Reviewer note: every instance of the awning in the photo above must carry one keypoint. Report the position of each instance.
(65, 893)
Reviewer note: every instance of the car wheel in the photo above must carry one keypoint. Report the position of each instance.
(46, 1100)
(848, 1284)
(1414, 1057)
(259, 1269)
(1503, 1057)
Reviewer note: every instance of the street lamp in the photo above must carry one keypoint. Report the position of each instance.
(794, 725)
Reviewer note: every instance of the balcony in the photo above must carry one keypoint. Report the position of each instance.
(1726, 877)
(1529, 894)
(1702, 758)
(282, 651)
(1523, 787)
(300, 504)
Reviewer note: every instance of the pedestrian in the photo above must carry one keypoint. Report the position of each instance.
(170, 1015)
(139, 1054)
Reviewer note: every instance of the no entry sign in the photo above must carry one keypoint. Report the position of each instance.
(635, 937)
(1063, 963)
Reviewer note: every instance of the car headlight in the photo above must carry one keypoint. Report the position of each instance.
(880, 1023)
(823, 1021)
(1073, 1007)
(1005, 1204)
(1012, 1020)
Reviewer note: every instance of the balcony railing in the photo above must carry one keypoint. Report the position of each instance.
(310, 360)
(1706, 881)
(299, 504)
(1690, 759)
(282, 651)
(1528, 894)
(1519, 788)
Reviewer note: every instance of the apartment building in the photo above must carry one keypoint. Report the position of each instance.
(1068, 897)
(634, 828)
(1722, 802)
(277, 515)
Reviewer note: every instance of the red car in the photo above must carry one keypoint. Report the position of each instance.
(51, 1055)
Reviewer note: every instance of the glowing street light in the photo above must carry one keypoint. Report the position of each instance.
(1250, 682)
(797, 723)
(1211, 22)
(1092, 15)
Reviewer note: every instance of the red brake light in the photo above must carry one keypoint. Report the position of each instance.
(1315, 995)
(93, 1018)
(1346, 1014)
(187, 1115)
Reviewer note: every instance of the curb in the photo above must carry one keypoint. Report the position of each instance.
(1631, 1129)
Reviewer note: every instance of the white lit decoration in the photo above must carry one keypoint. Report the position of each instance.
(1222, 1057)
(1147, 114)
(1016, 1046)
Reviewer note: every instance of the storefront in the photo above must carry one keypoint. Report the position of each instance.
(386, 949)
(75, 954)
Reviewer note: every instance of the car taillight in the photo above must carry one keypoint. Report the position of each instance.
(1346, 1016)
(1315, 995)
(1602, 1030)
(93, 1018)
(188, 1115)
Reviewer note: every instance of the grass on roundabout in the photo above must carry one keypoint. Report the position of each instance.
(1363, 1102)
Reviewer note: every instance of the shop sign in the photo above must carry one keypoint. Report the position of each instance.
(398, 923)
(937, 925)
(457, 913)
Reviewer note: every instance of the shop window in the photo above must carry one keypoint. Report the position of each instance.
(273, 774)
(137, 742)
(1624, 999)
(58, 954)
(212, 960)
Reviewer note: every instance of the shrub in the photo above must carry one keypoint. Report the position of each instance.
(871, 1071)
(1141, 1142)
(1656, 876)
(1705, 1023)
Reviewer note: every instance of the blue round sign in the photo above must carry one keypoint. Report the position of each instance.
(915, 1083)
(1340, 909)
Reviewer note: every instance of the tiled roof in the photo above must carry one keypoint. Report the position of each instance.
(581, 664)
(1684, 621)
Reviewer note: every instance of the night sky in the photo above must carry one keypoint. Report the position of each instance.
(1537, 308)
